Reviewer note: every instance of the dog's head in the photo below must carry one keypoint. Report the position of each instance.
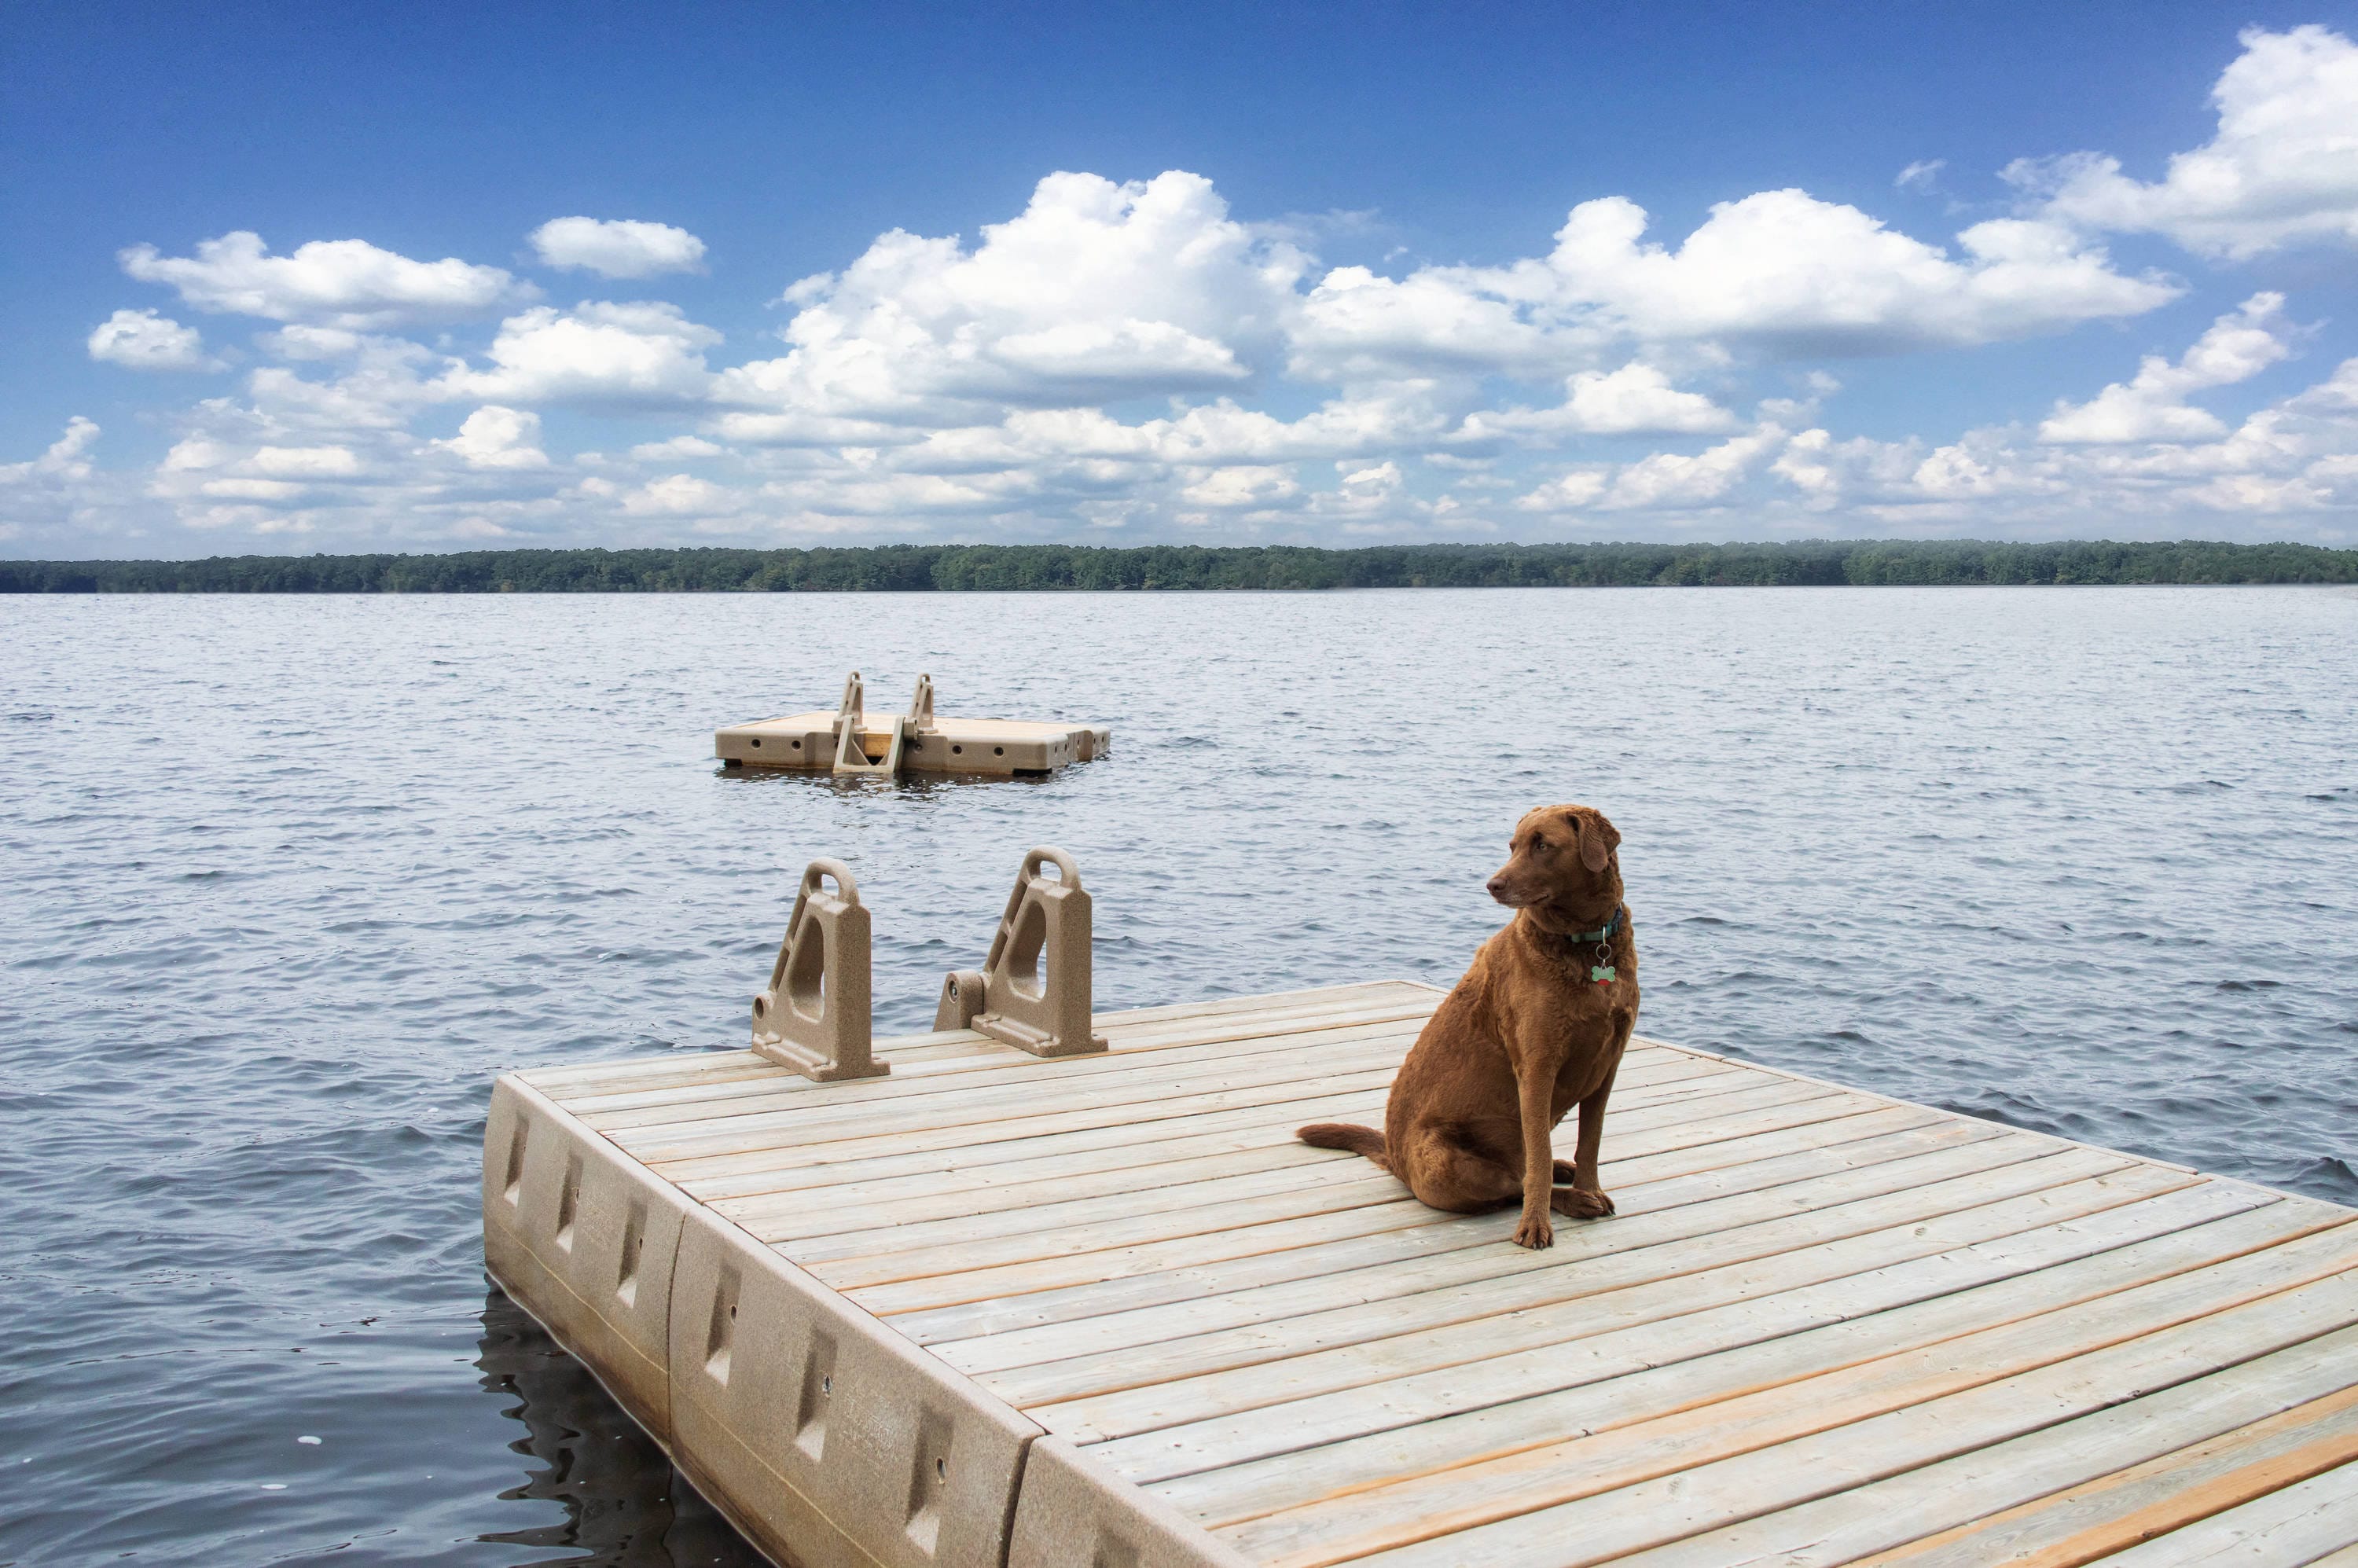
(1563, 862)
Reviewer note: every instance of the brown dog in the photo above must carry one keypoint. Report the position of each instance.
(1538, 1024)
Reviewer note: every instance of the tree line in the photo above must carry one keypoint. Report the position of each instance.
(919, 569)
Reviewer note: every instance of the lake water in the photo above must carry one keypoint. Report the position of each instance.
(285, 881)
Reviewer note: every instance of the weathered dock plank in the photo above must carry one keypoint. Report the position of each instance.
(1104, 1311)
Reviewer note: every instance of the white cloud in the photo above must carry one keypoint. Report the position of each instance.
(1357, 326)
(195, 453)
(1080, 353)
(617, 248)
(597, 353)
(1955, 473)
(319, 343)
(2296, 459)
(348, 284)
(496, 438)
(309, 462)
(252, 488)
(2282, 168)
(1567, 493)
(1636, 399)
(68, 457)
(143, 339)
(1921, 175)
(2255, 495)
(1219, 434)
(1243, 486)
(2152, 407)
(682, 495)
(674, 448)
(2336, 393)
(1365, 489)
(45, 502)
(216, 479)
(1785, 269)
(383, 384)
(1802, 464)
(1779, 272)
(1095, 292)
(1674, 480)
(1826, 472)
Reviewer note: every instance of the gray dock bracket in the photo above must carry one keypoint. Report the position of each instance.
(1047, 926)
(815, 1016)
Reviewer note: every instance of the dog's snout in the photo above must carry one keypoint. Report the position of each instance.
(1498, 887)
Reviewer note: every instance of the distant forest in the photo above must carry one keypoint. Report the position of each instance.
(921, 568)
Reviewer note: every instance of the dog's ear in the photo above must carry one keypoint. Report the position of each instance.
(1597, 841)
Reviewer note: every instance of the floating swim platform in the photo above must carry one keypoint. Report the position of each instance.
(1102, 1311)
(849, 738)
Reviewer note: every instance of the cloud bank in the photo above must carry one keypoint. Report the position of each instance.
(1132, 360)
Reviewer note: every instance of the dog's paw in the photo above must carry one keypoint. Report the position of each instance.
(1580, 1204)
(1535, 1232)
(1563, 1174)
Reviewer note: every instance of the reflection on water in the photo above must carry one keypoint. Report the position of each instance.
(626, 1505)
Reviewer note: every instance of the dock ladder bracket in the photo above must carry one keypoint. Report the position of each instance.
(815, 1016)
(1047, 926)
(850, 755)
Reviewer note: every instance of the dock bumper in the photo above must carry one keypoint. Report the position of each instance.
(1076, 1513)
(585, 1239)
(822, 1436)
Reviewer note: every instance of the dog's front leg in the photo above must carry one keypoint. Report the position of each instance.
(1533, 1088)
(1586, 1199)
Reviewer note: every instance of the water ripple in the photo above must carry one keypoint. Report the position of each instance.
(289, 880)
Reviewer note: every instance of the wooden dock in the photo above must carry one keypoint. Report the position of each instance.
(1104, 1311)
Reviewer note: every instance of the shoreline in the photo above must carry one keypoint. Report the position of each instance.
(1152, 568)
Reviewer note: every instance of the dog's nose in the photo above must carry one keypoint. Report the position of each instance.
(1495, 885)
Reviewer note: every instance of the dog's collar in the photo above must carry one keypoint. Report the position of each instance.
(1603, 935)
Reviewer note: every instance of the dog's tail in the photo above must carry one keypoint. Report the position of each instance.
(1343, 1135)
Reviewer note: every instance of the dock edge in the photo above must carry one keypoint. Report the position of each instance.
(823, 1435)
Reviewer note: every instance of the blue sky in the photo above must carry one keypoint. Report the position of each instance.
(305, 278)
